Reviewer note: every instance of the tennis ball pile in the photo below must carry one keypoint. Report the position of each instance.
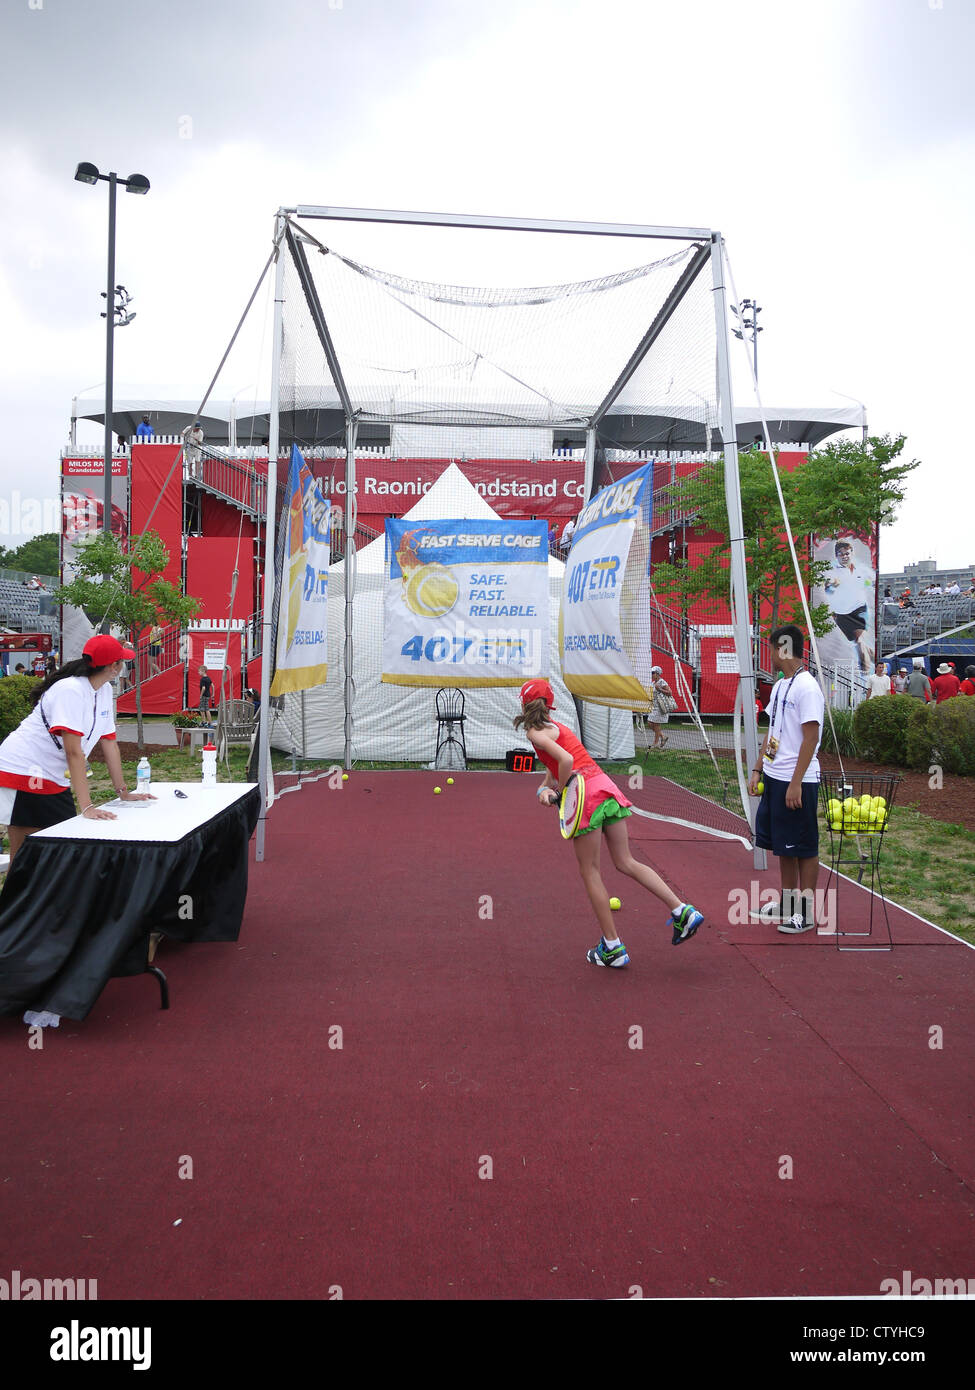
(866, 816)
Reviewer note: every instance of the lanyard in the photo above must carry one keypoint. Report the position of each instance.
(54, 738)
(780, 701)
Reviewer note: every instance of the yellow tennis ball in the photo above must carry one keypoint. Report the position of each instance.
(881, 803)
(450, 781)
(345, 776)
(760, 787)
(615, 904)
(436, 791)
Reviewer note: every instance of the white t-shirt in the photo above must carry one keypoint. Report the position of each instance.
(795, 700)
(879, 685)
(30, 760)
(846, 589)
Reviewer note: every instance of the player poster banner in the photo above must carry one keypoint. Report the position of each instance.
(605, 629)
(302, 627)
(849, 588)
(467, 602)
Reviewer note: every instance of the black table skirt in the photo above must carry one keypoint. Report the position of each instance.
(75, 913)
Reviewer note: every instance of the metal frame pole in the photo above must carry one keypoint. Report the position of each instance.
(732, 488)
(590, 475)
(109, 360)
(267, 656)
(351, 430)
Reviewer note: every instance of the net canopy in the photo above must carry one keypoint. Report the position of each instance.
(612, 352)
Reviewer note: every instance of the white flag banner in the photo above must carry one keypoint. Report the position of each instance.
(302, 645)
(605, 638)
(466, 602)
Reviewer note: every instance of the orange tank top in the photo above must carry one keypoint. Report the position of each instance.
(581, 760)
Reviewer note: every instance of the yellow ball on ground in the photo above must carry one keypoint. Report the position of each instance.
(436, 791)
(615, 904)
(450, 781)
(345, 776)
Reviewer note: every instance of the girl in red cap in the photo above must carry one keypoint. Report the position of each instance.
(46, 756)
(605, 810)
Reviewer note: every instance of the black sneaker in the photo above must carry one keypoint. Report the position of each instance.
(795, 925)
(769, 915)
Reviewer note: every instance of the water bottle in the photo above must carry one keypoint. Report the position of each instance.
(143, 776)
(209, 765)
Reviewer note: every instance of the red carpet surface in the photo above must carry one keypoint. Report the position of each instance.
(406, 1082)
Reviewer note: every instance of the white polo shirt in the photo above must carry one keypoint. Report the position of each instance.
(31, 760)
(795, 700)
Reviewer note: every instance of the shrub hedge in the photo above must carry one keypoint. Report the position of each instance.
(907, 732)
(14, 704)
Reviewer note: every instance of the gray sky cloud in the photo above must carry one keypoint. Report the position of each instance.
(832, 144)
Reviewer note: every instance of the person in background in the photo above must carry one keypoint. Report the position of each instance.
(946, 684)
(206, 693)
(967, 686)
(918, 684)
(900, 681)
(145, 432)
(192, 452)
(953, 589)
(659, 715)
(568, 531)
(879, 682)
(155, 649)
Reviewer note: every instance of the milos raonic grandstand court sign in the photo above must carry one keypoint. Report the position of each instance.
(466, 602)
(605, 617)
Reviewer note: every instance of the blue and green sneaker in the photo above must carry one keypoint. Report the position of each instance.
(603, 955)
(685, 922)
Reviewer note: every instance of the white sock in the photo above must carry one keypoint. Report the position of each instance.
(611, 944)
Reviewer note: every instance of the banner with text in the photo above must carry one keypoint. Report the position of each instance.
(467, 603)
(302, 635)
(605, 617)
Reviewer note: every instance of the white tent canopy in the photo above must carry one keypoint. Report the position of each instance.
(395, 723)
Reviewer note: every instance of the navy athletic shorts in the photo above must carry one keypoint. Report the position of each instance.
(787, 833)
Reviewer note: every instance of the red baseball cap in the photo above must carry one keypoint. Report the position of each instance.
(103, 649)
(537, 690)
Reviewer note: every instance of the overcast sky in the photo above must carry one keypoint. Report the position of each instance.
(831, 141)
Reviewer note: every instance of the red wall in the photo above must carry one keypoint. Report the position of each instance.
(210, 563)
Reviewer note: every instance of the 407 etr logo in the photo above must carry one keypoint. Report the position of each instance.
(477, 651)
(593, 578)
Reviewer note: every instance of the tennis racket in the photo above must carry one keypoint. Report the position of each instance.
(572, 805)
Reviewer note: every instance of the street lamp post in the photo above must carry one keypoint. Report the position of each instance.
(135, 183)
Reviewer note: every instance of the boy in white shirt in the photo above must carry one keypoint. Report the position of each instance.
(879, 682)
(786, 821)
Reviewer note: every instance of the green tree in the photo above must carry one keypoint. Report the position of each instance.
(39, 555)
(845, 487)
(123, 587)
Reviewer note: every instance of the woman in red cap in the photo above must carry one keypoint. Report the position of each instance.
(47, 754)
(605, 810)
